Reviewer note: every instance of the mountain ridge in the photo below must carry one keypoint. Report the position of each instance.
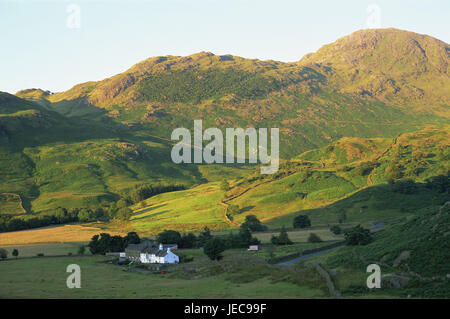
(388, 64)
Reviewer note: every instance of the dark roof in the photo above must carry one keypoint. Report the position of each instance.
(161, 253)
(142, 247)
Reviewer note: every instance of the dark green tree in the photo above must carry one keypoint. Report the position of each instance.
(188, 241)
(301, 221)
(124, 214)
(204, 236)
(282, 239)
(61, 215)
(357, 236)
(132, 238)
(3, 253)
(169, 237)
(314, 238)
(85, 215)
(15, 252)
(335, 229)
(253, 223)
(214, 248)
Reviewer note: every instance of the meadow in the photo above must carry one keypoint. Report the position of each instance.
(52, 234)
(46, 278)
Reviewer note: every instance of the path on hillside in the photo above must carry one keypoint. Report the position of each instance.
(292, 261)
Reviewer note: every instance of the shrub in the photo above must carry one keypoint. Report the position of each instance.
(132, 238)
(282, 239)
(253, 223)
(302, 221)
(188, 241)
(357, 236)
(336, 229)
(214, 248)
(169, 237)
(3, 253)
(313, 238)
(124, 213)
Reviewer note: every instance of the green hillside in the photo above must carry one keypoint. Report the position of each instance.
(413, 256)
(385, 82)
(49, 160)
(340, 112)
(386, 182)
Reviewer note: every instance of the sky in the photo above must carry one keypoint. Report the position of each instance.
(54, 45)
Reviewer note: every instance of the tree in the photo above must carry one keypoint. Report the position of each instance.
(85, 215)
(313, 238)
(132, 238)
(122, 203)
(357, 236)
(100, 213)
(253, 223)
(245, 237)
(15, 253)
(188, 241)
(3, 253)
(224, 185)
(282, 239)
(169, 237)
(61, 215)
(214, 248)
(124, 213)
(301, 221)
(204, 236)
(81, 250)
(336, 229)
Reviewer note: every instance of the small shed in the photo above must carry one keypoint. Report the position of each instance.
(253, 248)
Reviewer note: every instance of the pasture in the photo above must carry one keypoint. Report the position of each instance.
(52, 234)
(46, 278)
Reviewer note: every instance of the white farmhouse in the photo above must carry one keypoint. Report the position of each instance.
(149, 253)
(161, 256)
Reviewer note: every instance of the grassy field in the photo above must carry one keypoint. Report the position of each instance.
(46, 249)
(185, 211)
(46, 278)
(300, 236)
(56, 234)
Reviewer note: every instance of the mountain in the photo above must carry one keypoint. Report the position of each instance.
(101, 139)
(372, 83)
(384, 63)
(388, 64)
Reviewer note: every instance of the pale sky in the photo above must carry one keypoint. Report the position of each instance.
(39, 50)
